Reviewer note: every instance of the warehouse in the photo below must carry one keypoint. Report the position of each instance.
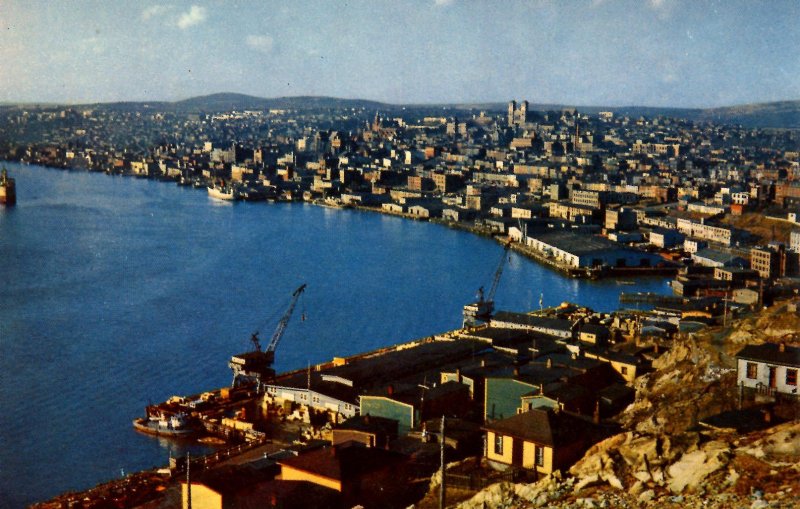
(577, 251)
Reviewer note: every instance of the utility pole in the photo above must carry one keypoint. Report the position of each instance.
(442, 488)
(188, 481)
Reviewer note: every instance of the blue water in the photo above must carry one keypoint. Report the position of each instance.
(115, 292)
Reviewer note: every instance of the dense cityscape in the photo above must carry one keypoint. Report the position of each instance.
(682, 402)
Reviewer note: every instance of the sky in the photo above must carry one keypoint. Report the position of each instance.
(678, 53)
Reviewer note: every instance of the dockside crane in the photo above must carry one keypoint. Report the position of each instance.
(256, 366)
(484, 307)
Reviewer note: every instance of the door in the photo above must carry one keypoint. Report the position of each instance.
(772, 377)
(516, 452)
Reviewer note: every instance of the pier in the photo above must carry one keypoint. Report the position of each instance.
(649, 298)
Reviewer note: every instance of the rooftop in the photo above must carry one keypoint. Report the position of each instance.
(545, 427)
(772, 353)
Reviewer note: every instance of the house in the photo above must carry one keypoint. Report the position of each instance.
(770, 368)
(370, 430)
(245, 486)
(363, 475)
(594, 334)
(413, 404)
(505, 388)
(542, 440)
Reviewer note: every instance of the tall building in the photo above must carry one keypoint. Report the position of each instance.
(770, 262)
(517, 114)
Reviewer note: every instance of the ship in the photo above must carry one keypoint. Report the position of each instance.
(221, 191)
(162, 424)
(8, 190)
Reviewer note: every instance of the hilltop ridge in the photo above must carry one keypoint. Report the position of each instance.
(779, 114)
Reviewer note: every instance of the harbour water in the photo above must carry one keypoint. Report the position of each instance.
(115, 292)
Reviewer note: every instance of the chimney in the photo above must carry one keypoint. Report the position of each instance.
(390, 390)
(516, 370)
(782, 347)
(549, 363)
(483, 363)
(596, 414)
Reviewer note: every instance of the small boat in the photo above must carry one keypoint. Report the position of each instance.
(222, 192)
(175, 425)
(8, 190)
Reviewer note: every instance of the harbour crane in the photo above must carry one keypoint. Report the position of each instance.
(257, 365)
(484, 307)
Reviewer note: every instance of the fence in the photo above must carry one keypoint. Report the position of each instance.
(477, 480)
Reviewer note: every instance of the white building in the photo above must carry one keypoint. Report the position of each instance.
(770, 368)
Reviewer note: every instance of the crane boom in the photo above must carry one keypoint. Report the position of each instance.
(498, 273)
(281, 328)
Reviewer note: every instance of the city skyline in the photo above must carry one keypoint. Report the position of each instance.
(662, 53)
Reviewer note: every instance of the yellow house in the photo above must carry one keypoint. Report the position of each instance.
(624, 364)
(242, 486)
(359, 473)
(541, 439)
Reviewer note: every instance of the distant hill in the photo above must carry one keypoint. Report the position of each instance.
(777, 114)
(231, 101)
(783, 114)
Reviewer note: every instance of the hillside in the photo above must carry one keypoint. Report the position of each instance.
(783, 114)
(663, 458)
(230, 101)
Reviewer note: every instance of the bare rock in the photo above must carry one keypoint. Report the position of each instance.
(695, 466)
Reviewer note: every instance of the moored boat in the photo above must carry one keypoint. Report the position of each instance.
(175, 425)
(8, 191)
(222, 192)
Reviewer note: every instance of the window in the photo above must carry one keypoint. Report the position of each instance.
(498, 444)
(539, 456)
(752, 370)
(624, 370)
(791, 376)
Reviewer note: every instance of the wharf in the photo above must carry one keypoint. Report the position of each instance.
(649, 298)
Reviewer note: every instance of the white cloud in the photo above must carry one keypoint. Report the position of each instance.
(155, 11)
(444, 2)
(262, 43)
(194, 16)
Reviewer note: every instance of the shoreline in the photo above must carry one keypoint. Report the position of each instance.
(571, 272)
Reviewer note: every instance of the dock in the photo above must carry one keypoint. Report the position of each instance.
(649, 298)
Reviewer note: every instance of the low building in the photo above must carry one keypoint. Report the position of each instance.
(712, 258)
(770, 368)
(664, 238)
(363, 475)
(578, 251)
(370, 430)
(410, 405)
(328, 394)
(245, 486)
(550, 326)
(542, 440)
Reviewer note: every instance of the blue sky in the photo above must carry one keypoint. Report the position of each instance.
(686, 53)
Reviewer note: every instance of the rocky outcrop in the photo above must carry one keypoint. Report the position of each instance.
(691, 469)
(661, 459)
